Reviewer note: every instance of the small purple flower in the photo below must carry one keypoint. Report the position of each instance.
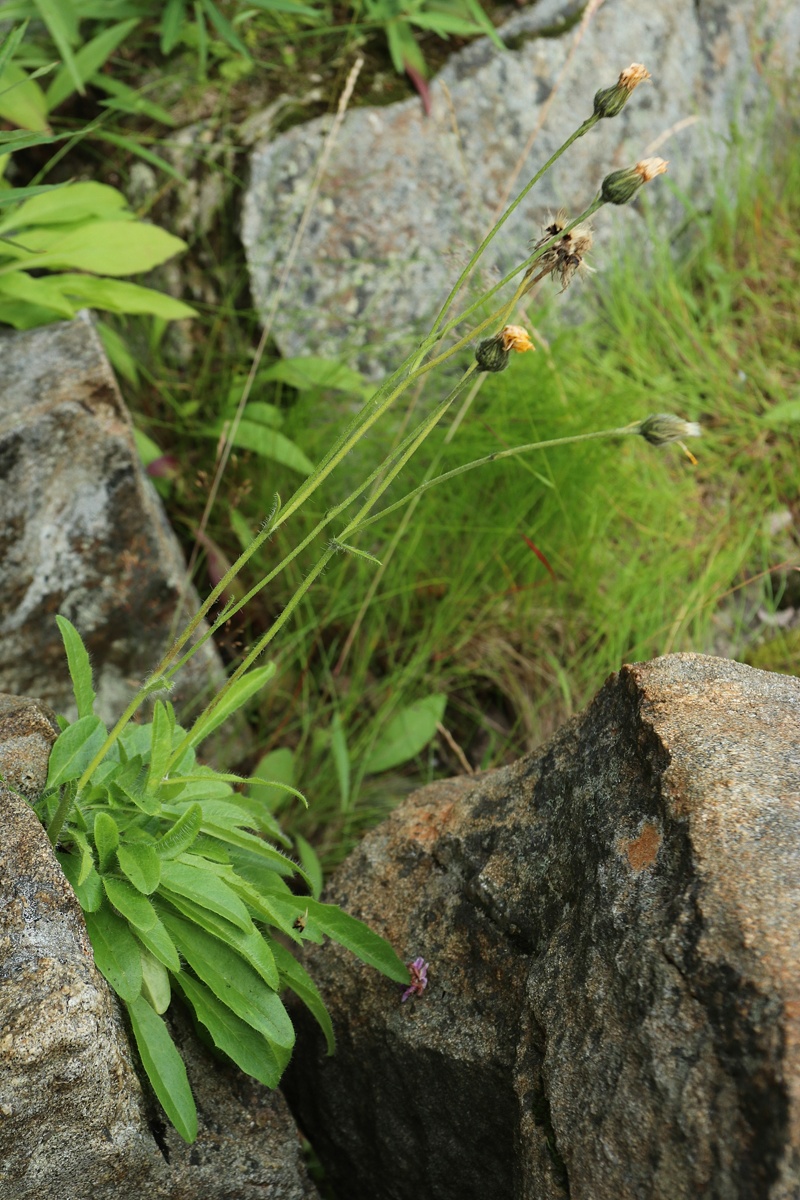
(419, 979)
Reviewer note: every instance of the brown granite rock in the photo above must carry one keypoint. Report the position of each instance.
(75, 1121)
(613, 1008)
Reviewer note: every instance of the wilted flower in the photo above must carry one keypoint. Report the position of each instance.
(567, 255)
(419, 979)
(493, 353)
(661, 428)
(610, 101)
(514, 337)
(620, 186)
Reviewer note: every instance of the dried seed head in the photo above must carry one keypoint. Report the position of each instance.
(608, 102)
(661, 428)
(632, 76)
(493, 353)
(566, 256)
(620, 186)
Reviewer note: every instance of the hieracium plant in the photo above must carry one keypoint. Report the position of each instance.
(187, 883)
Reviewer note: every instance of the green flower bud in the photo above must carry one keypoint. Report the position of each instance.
(661, 428)
(610, 101)
(490, 355)
(620, 186)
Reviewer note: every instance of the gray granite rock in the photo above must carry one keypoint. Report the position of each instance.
(614, 963)
(405, 198)
(75, 1122)
(82, 531)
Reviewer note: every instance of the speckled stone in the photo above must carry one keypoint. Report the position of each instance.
(82, 531)
(611, 927)
(405, 198)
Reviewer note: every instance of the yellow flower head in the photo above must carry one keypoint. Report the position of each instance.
(514, 337)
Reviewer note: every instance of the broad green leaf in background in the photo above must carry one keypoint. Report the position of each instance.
(164, 1066)
(63, 29)
(121, 296)
(782, 414)
(172, 20)
(22, 101)
(115, 952)
(269, 443)
(306, 373)
(406, 734)
(114, 248)
(80, 668)
(278, 765)
(26, 301)
(341, 760)
(74, 749)
(246, 1047)
(69, 203)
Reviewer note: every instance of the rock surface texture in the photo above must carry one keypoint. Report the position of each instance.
(611, 927)
(405, 198)
(75, 1123)
(82, 531)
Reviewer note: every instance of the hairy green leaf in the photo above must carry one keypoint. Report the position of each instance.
(252, 945)
(205, 889)
(354, 935)
(106, 838)
(237, 695)
(164, 1066)
(160, 745)
(180, 837)
(250, 1050)
(160, 945)
(80, 668)
(130, 904)
(89, 890)
(155, 982)
(233, 981)
(74, 749)
(139, 862)
(115, 951)
(311, 865)
(295, 976)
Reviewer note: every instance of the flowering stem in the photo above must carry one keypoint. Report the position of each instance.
(579, 132)
(490, 458)
(384, 475)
